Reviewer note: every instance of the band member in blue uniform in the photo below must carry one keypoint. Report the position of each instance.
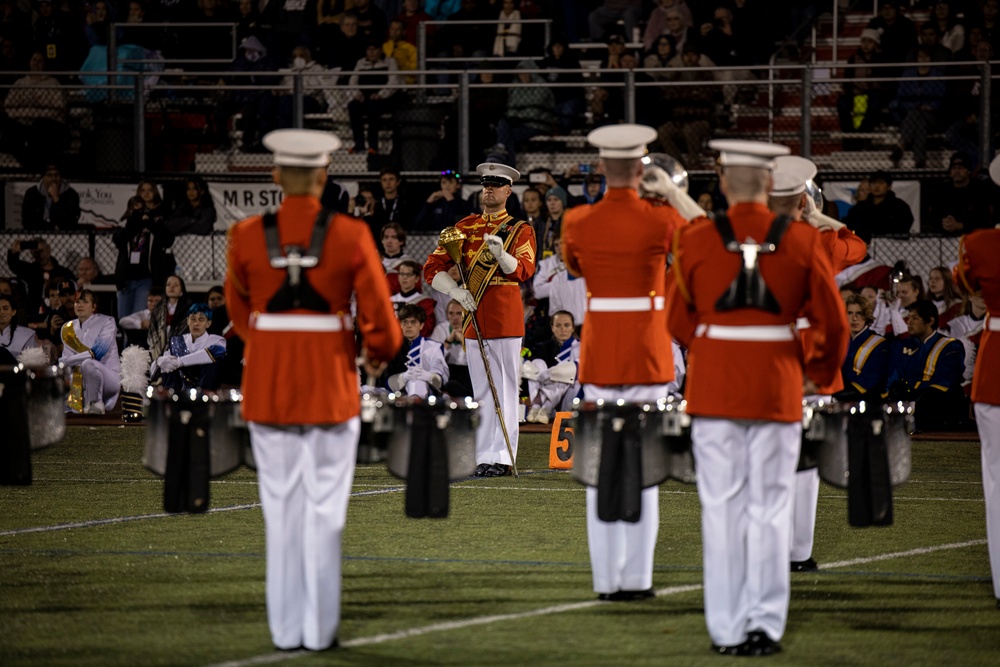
(193, 360)
(867, 362)
(421, 363)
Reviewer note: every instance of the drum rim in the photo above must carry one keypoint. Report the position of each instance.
(162, 394)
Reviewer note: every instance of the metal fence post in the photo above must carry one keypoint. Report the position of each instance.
(140, 122)
(984, 116)
(806, 130)
(630, 96)
(463, 122)
(297, 102)
(422, 54)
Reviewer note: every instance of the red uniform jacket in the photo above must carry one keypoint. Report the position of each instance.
(620, 245)
(308, 377)
(978, 270)
(844, 249)
(500, 313)
(735, 379)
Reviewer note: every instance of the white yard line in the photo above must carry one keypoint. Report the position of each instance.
(271, 658)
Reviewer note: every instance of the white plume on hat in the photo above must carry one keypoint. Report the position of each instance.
(135, 366)
(33, 357)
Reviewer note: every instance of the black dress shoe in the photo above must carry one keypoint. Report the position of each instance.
(497, 470)
(759, 644)
(481, 469)
(728, 650)
(627, 596)
(808, 565)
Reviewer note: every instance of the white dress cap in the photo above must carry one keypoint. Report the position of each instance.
(622, 141)
(301, 148)
(995, 170)
(791, 173)
(742, 153)
(494, 173)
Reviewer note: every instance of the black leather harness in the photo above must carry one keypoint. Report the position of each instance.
(296, 291)
(748, 289)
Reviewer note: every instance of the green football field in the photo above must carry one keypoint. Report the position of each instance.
(92, 572)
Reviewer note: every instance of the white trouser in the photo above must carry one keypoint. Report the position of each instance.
(746, 471)
(305, 477)
(505, 363)
(621, 553)
(551, 395)
(804, 513)
(988, 422)
(100, 384)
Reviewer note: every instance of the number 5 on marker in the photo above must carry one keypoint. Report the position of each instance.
(561, 442)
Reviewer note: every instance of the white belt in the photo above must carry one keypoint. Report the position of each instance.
(631, 304)
(770, 332)
(316, 323)
(994, 323)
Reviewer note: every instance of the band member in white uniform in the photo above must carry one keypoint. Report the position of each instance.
(553, 387)
(98, 357)
(13, 339)
(424, 361)
(194, 359)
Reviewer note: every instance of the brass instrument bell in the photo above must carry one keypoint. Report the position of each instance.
(675, 170)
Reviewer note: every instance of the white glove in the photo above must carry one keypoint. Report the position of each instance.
(168, 363)
(544, 375)
(529, 371)
(446, 284)
(817, 219)
(564, 372)
(397, 382)
(506, 261)
(656, 182)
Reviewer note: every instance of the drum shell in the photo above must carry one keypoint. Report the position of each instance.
(657, 460)
(377, 422)
(895, 420)
(47, 387)
(229, 439)
(824, 424)
(455, 423)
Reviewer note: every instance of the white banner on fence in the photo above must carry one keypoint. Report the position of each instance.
(843, 193)
(102, 204)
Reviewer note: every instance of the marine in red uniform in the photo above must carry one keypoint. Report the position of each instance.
(792, 179)
(296, 321)
(734, 296)
(620, 245)
(979, 271)
(498, 255)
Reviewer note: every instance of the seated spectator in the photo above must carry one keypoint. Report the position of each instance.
(88, 272)
(898, 34)
(58, 310)
(948, 26)
(392, 206)
(93, 353)
(930, 38)
(915, 107)
(400, 50)
(336, 198)
(593, 191)
(451, 335)
(194, 359)
(412, 16)
(15, 290)
(393, 244)
(144, 245)
(562, 291)
(231, 371)
(967, 328)
(52, 204)
(36, 107)
(534, 213)
(411, 291)
(657, 25)
(892, 309)
(166, 319)
(943, 292)
(369, 104)
(881, 212)
(372, 22)
(961, 205)
(316, 95)
(927, 368)
(420, 363)
(441, 10)
(556, 203)
(35, 274)
(196, 215)
(860, 107)
(660, 55)
(605, 17)
(257, 107)
(707, 204)
(57, 35)
(865, 368)
(135, 325)
(508, 36)
(531, 111)
(552, 371)
(690, 109)
(13, 338)
(364, 208)
(341, 45)
(718, 40)
(570, 102)
(247, 20)
(444, 207)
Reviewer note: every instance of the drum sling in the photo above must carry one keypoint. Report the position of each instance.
(185, 483)
(296, 292)
(619, 482)
(427, 489)
(869, 485)
(15, 448)
(484, 265)
(748, 289)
